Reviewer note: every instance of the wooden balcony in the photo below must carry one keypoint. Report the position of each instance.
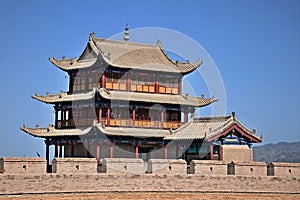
(119, 122)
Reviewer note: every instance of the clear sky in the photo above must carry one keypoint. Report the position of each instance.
(255, 45)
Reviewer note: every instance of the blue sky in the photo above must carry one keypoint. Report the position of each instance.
(255, 45)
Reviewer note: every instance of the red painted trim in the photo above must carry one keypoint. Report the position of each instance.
(239, 130)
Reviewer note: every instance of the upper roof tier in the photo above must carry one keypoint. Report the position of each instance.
(126, 96)
(128, 55)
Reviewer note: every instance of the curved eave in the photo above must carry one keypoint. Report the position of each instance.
(132, 132)
(64, 97)
(182, 67)
(231, 124)
(52, 132)
(156, 98)
(72, 64)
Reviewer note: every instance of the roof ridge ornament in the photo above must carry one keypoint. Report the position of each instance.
(126, 33)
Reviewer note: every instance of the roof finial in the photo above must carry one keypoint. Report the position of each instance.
(126, 33)
(233, 114)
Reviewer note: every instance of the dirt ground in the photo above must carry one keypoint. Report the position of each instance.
(152, 196)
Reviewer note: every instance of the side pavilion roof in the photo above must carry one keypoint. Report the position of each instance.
(204, 128)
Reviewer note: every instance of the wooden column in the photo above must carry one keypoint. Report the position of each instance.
(111, 150)
(133, 117)
(136, 150)
(56, 150)
(88, 149)
(103, 80)
(162, 119)
(60, 150)
(56, 117)
(47, 155)
(211, 151)
(220, 153)
(61, 118)
(165, 151)
(156, 85)
(71, 149)
(108, 116)
(98, 152)
(128, 82)
(179, 86)
(185, 116)
(100, 115)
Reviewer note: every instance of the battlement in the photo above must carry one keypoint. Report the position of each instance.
(120, 174)
(153, 166)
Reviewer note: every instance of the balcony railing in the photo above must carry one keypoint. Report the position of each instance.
(119, 122)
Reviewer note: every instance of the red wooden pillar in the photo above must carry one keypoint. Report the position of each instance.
(61, 118)
(128, 82)
(88, 149)
(156, 85)
(162, 119)
(179, 86)
(136, 150)
(211, 152)
(98, 152)
(71, 149)
(103, 80)
(220, 153)
(60, 150)
(111, 150)
(108, 116)
(100, 115)
(133, 117)
(165, 151)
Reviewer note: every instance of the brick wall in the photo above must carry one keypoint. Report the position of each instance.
(284, 169)
(124, 165)
(51, 183)
(240, 153)
(23, 165)
(167, 166)
(74, 165)
(208, 167)
(247, 168)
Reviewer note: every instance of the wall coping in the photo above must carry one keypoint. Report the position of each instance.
(209, 162)
(22, 159)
